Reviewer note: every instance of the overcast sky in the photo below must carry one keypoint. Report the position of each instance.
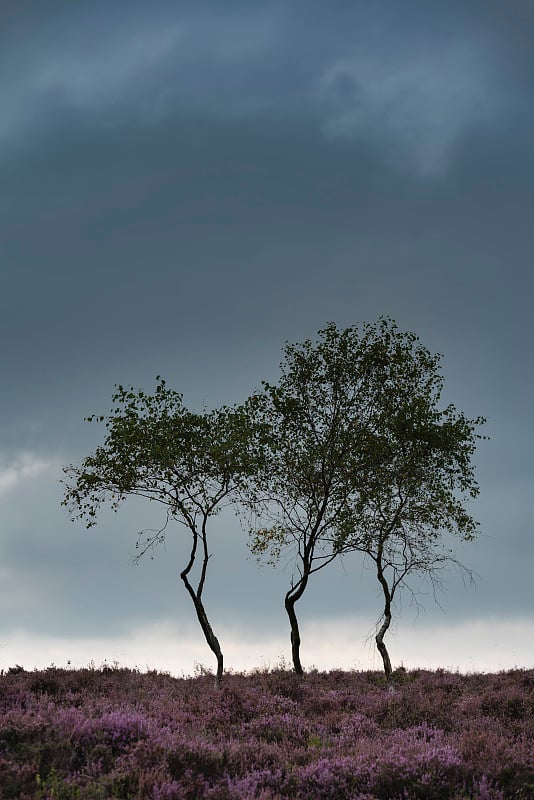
(186, 185)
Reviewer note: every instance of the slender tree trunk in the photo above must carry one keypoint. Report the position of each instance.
(296, 591)
(379, 638)
(382, 649)
(196, 597)
(291, 599)
(207, 630)
(212, 641)
(295, 635)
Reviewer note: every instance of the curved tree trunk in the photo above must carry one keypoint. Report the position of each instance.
(196, 597)
(382, 649)
(211, 639)
(379, 638)
(295, 635)
(292, 597)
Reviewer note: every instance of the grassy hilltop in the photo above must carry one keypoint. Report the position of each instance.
(108, 732)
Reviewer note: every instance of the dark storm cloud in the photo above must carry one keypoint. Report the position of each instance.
(412, 76)
(187, 185)
(146, 245)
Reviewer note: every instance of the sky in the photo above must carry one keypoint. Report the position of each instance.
(185, 186)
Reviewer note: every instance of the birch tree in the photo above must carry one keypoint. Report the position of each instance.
(191, 465)
(318, 417)
(421, 486)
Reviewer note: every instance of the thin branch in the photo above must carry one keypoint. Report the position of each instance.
(152, 541)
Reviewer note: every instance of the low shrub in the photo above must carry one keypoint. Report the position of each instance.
(115, 733)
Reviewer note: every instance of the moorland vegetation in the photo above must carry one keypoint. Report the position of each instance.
(116, 734)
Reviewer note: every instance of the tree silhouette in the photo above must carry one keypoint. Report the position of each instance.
(421, 477)
(360, 458)
(191, 464)
(318, 417)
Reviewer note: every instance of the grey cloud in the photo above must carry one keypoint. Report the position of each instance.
(135, 67)
(96, 79)
(415, 91)
(419, 101)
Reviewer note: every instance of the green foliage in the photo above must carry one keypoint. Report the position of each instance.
(317, 443)
(157, 449)
(358, 441)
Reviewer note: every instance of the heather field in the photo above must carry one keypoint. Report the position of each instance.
(115, 733)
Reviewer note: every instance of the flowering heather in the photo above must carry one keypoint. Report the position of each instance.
(106, 733)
